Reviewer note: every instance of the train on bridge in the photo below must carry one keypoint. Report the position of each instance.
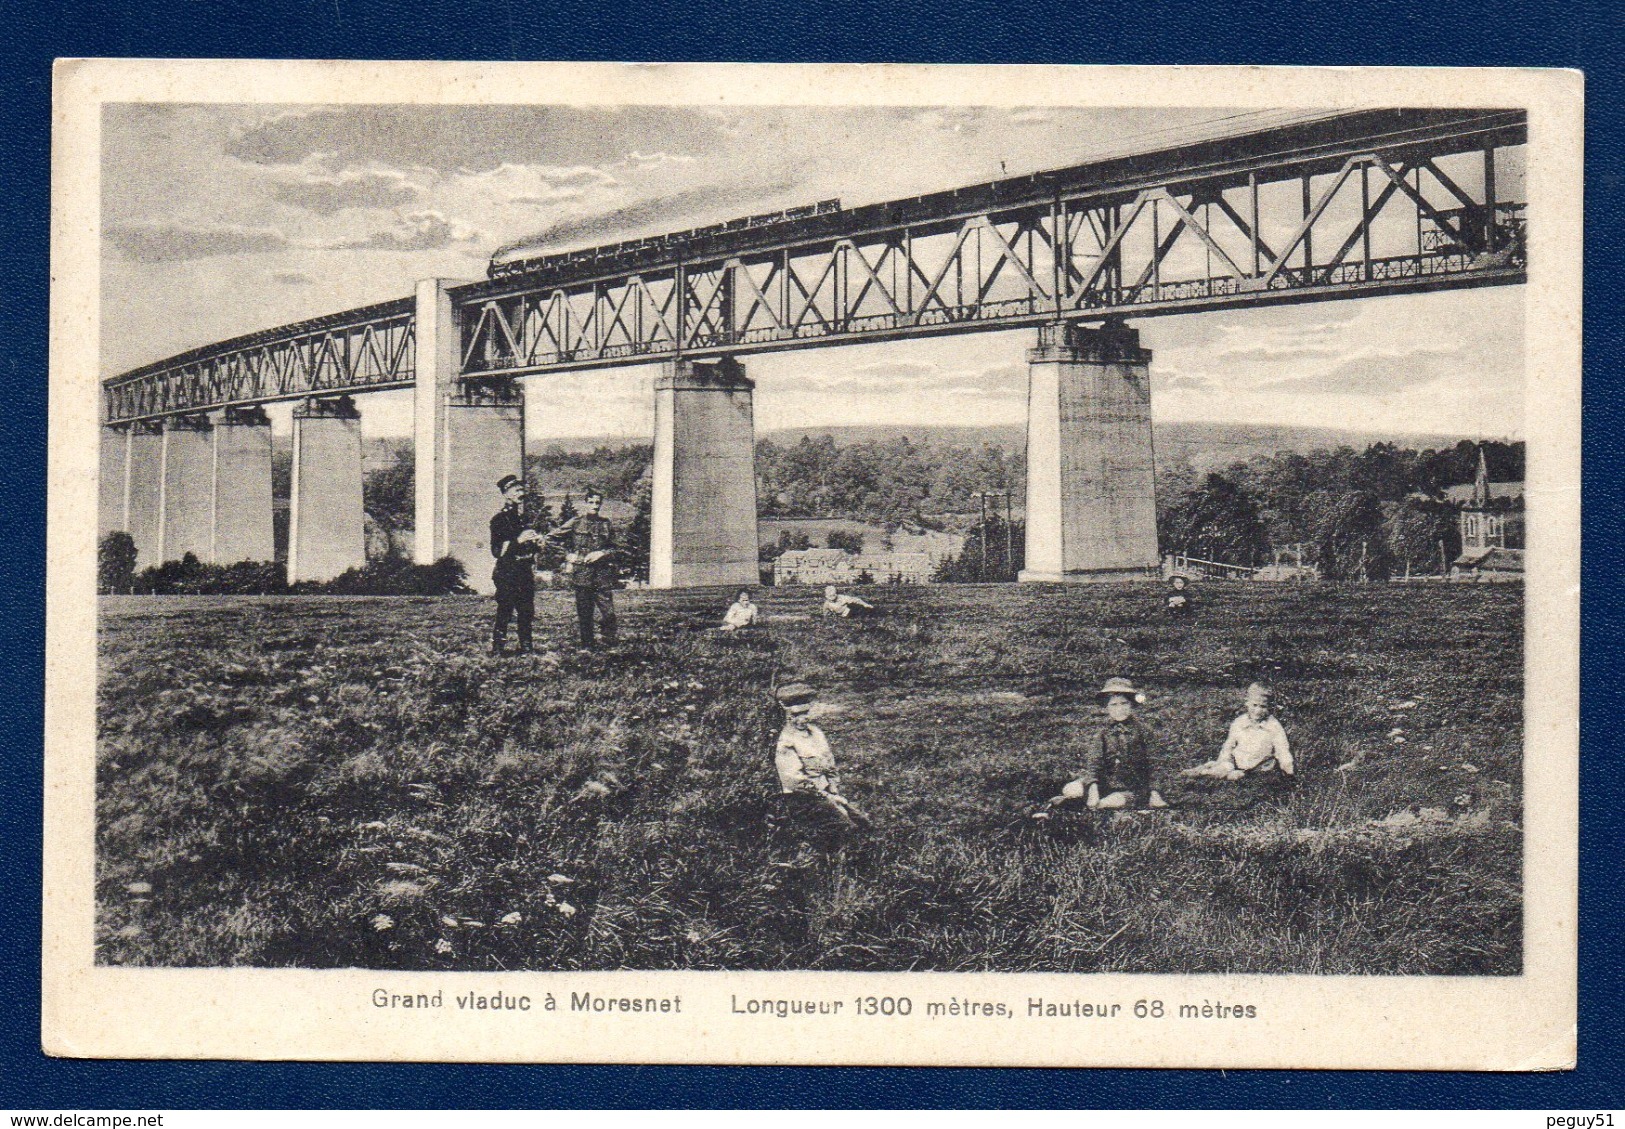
(713, 239)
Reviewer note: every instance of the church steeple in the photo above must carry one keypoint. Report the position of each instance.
(1481, 482)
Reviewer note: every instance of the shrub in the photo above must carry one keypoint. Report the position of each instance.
(389, 577)
(191, 577)
(393, 576)
(115, 562)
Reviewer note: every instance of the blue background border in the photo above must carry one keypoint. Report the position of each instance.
(1585, 35)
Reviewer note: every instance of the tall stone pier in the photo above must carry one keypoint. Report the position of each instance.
(242, 487)
(143, 491)
(112, 470)
(1091, 492)
(186, 502)
(703, 508)
(466, 437)
(326, 523)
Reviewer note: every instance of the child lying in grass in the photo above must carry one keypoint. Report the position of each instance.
(1117, 759)
(1256, 743)
(806, 765)
(847, 607)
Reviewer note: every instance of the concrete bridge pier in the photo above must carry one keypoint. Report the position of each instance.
(241, 488)
(703, 509)
(466, 437)
(186, 499)
(110, 479)
(1091, 492)
(326, 523)
(143, 490)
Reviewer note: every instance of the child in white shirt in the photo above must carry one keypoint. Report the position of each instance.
(741, 613)
(1256, 743)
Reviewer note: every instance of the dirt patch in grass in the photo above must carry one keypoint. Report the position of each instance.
(352, 782)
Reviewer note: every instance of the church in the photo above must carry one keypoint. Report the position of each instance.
(1492, 528)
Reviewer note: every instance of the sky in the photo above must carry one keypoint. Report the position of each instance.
(222, 219)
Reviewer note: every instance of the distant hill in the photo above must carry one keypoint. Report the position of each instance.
(1205, 446)
(1212, 446)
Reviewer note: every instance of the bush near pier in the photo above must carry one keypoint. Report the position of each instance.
(319, 781)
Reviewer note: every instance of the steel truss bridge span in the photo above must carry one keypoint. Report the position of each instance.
(1346, 205)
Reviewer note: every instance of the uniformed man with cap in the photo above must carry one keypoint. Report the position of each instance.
(590, 561)
(513, 545)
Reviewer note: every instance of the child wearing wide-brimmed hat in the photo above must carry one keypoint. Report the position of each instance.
(802, 756)
(1256, 744)
(1117, 769)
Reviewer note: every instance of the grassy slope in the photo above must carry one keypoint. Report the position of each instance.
(281, 772)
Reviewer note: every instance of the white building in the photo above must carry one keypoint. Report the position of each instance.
(833, 566)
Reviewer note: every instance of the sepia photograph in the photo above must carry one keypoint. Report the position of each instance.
(772, 535)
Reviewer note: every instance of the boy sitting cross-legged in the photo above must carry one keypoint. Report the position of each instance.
(1117, 771)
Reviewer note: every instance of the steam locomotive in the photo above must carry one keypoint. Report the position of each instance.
(677, 241)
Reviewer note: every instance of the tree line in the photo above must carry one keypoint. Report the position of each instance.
(1367, 514)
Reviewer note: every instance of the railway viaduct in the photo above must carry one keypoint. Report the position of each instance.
(1332, 206)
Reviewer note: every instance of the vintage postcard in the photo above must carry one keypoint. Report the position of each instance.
(814, 564)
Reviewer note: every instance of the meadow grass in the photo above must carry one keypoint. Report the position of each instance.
(329, 781)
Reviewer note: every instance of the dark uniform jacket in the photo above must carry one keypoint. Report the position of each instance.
(514, 560)
(1118, 758)
(589, 533)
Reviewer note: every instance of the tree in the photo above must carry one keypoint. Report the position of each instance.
(387, 495)
(1218, 521)
(968, 567)
(115, 562)
(1352, 545)
(1415, 530)
(846, 542)
(788, 542)
(634, 539)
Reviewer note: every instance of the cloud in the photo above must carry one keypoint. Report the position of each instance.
(1261, 342)
(416, 231)
(1376, 373)
(642, 161)
(919, 379)
(292, 278)
(529, 184)
(174, 242)
(1169, 380)
(898, 369)
(449, 139)
(328, 195)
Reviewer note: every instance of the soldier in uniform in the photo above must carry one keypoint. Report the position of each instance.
(514, 547)
(590, 560)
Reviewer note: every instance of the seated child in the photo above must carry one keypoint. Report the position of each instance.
(1256, 743)
(805, 764)
(741, 613)
(1117, 758)
(845, 606)
(1179, 601)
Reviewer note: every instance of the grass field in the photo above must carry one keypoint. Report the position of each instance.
(354, 782)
